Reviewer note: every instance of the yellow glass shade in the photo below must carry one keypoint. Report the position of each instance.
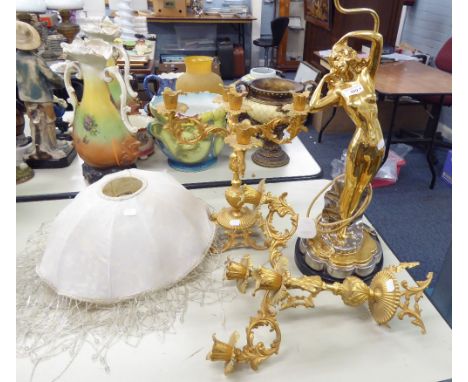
(199, 76)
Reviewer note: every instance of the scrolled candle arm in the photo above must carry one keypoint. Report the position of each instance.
(252, 353)
(277, 205)
(294, 125)
(177, 126)
(418, 293)
(384, 296)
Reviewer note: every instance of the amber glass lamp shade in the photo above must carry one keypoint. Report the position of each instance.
(199, 77)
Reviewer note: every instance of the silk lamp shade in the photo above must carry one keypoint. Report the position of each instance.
(131, 232)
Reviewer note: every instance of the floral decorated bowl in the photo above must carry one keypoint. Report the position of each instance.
(197, 157)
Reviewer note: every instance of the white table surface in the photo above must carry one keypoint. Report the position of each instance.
(331, 342)
(70, 179)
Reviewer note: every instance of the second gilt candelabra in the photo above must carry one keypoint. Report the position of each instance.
(386, 298)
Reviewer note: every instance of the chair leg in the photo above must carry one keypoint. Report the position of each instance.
(326, 125)
(431, 132)
(390, 129)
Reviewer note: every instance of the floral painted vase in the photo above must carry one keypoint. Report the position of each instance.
(107, 31)
(102, 133)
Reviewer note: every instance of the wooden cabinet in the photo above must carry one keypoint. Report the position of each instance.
(318, 37)
(291, 50)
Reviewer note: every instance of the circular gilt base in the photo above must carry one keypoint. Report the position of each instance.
(310, 265)
(234, 221)
(266, 157)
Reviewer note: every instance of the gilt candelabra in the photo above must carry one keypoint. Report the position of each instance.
(241, 224)
(386, 298)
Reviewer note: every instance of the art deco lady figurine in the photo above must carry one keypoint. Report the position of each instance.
(351, 86)
(344, 245)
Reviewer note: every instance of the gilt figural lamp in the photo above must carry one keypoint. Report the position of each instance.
(344, 245)
(344, 253)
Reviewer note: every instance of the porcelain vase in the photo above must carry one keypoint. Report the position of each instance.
(102, 133)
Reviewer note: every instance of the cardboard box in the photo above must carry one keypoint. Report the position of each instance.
(170, 8)
(411, 117)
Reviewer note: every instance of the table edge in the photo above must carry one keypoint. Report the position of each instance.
(188, 186)
(188, 20)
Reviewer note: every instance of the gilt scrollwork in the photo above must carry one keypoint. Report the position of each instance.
(384, 296)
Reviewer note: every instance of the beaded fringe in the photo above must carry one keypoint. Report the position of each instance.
(48, 324)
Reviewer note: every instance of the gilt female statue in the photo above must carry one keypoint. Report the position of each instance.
(351, 85)
(344, 244)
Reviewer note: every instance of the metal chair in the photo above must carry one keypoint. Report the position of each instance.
(278, 28)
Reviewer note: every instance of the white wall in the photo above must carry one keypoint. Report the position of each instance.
(427, 26)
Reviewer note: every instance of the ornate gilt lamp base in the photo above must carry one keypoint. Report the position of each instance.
(310, 263)
(238, 229)
(341, 247)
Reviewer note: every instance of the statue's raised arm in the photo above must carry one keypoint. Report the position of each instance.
(375, 53)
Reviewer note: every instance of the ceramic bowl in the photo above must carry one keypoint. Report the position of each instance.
(262, 72)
